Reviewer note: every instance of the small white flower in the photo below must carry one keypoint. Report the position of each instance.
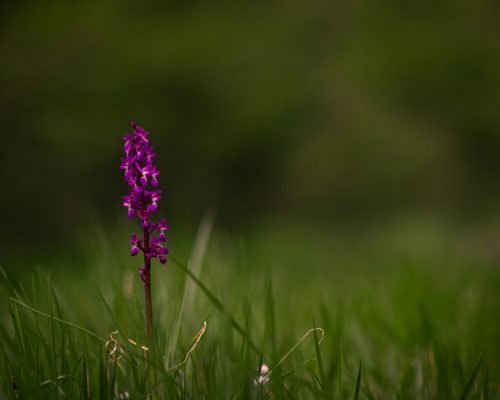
(263, 377)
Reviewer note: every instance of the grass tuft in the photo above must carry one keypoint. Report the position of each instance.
(240, 327)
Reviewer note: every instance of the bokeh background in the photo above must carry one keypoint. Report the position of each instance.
(345, 114)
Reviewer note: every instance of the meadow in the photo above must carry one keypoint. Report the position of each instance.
(351, 150)
(400, 311)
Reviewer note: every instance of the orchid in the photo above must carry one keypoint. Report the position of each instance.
(142, 200)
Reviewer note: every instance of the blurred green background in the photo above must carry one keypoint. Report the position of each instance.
(344, 113)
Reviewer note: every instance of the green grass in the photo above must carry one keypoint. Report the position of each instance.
(400, 313)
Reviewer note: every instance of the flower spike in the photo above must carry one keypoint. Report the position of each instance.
(140, 172)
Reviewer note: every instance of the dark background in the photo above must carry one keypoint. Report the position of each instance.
(330, 111)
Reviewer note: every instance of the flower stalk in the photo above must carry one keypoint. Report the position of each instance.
(141, 175)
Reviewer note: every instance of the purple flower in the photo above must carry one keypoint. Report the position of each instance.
(141, 201)
(158, 250)
(140, 173)
(135, 245)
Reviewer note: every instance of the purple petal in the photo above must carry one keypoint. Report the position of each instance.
(162, 225)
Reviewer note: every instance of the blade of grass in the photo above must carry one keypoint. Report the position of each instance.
(340, 371)
(270, 314)
(51, 352)
(358, 383)
(189, 292)
(112, 381)
(58, 320)
(485, 385)
(103, 381)
(194, 342)
(323, 379)
(295, 346)
(218, 304)
(108, 307)
(9, 284)
(340, 330)
(198, 254)
(473, 377)
(85, 380)
(174, 333)
(14, 312)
